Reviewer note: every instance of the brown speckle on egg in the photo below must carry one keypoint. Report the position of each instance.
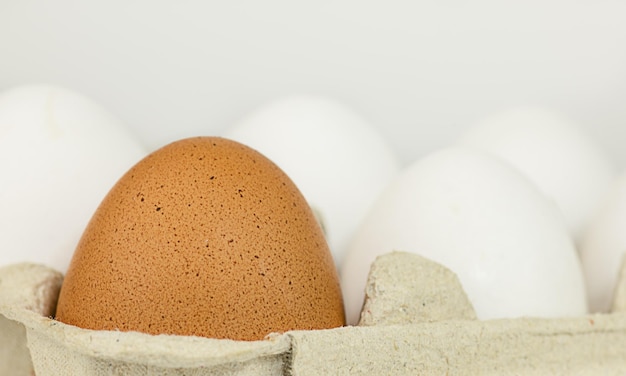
(203, 237)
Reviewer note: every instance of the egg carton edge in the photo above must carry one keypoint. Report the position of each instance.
(590, 344)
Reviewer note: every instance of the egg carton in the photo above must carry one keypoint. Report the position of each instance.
(416, 320)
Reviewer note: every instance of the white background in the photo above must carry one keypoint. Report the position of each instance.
(420, 71)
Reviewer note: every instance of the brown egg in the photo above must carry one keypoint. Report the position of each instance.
(203, 237)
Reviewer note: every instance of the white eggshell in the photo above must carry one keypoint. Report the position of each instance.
(59, 155)
(554, 153)
(603, 247)
(337, 160)
(486, 222)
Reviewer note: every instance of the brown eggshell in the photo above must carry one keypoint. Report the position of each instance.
(203, 237)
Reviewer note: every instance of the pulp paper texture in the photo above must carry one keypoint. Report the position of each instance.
(14, 356)
(402, 337)
(619, 294)
(28, 287)
(405, 288)
(594, 345)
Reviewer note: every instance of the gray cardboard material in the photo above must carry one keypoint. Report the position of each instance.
(459, 345)
(30, 287)
(619, 294)
(14, 355)
(59, 349)
(593, 345)
(403, 288)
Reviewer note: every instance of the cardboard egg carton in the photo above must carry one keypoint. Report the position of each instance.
(416, 320)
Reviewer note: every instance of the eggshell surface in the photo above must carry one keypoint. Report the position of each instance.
(603, 248)
(486, 222)
(203, 237)
(336, 158)
(59, 154)
(554, 153)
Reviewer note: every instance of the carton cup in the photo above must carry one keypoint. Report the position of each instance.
(416, 319)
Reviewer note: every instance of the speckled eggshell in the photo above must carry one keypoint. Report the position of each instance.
(203, 237)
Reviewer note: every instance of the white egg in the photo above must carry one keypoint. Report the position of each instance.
(59, 155)
(554, 153)
(485, 221)
(337, 160)
(603, 248)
